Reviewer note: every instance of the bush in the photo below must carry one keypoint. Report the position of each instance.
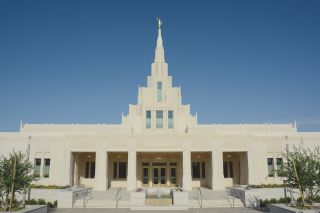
(50, 205)
(264, 203)
(41, 202)
(48, 186)
(31, 202)
(267, 186)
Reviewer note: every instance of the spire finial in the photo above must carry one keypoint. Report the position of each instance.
(159, 53)
(159, 23)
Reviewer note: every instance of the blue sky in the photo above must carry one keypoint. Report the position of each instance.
(236, 61)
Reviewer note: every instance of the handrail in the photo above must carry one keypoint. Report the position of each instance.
(230, 193)
(85, 193)
(118, 197)
(199, 196)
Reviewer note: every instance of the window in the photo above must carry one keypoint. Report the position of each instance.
(270, 167)
(170, 119)
(159, 91)
(279, 162)
(115, 170)
(119, 170)
(148, 119)
(46, 168)
(228, 169)
(37, 166)
(195, 169)
(198, 170)
(203, 170)
(159, 119)
(90, 169)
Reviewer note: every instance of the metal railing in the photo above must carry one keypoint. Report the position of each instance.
(118, 197)
(87, 195)
(229, 192)
(199, 196)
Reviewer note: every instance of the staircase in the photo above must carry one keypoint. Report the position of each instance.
(212, 199)
(105, 199)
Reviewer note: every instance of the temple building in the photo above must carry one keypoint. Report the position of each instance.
(159, 143)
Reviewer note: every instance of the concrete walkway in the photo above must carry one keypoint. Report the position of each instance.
(207, 210)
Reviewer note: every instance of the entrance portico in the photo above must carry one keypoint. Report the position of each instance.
(155, 169)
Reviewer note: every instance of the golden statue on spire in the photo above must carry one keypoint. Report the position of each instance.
(159, 23)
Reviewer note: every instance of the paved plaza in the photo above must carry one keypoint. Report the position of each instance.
(205, 210)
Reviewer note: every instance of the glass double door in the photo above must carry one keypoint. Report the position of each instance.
(159, 176)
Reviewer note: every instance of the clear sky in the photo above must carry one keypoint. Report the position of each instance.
(236, 61)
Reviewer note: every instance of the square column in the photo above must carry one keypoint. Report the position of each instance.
(186, 170)
(101, 170)
(132, 171)
(69, 169)
(217, 170)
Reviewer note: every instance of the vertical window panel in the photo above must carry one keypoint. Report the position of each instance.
(270, 167)
(46, 168)
(37, 166)
(170, 119)
(159, 91)
(148, 119)
(159, 119)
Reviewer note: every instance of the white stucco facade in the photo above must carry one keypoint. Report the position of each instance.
(159, 143)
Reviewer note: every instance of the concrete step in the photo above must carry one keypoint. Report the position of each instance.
(165, 208)
(102, 204)
(215, 203)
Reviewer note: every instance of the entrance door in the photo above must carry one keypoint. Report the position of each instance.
(159, 176)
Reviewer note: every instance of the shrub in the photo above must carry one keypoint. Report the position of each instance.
(273, 201)
(41, 202)
(50, 205)
(55, 204)
(31, 202)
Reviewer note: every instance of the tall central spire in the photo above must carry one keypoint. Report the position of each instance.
(159, 52)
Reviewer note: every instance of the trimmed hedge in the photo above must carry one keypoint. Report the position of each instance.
(264, 203)
(42, 202)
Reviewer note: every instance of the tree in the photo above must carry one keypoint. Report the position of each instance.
(302, 170)
(23, 178)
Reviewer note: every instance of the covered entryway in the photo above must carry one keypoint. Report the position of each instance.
(235, 168)
(201, 169)
(159, 169)
(83, 169)
(117, 169)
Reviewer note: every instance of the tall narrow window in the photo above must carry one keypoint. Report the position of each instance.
(228, 169)
(37, 166)
(46, 168)
(270, 167)
(170, 119)
(148, 119)
(195, 169)
(115, 170)
(90, 169)
(159, 119)
(159, 91)
(279, 162)
(122, 169)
